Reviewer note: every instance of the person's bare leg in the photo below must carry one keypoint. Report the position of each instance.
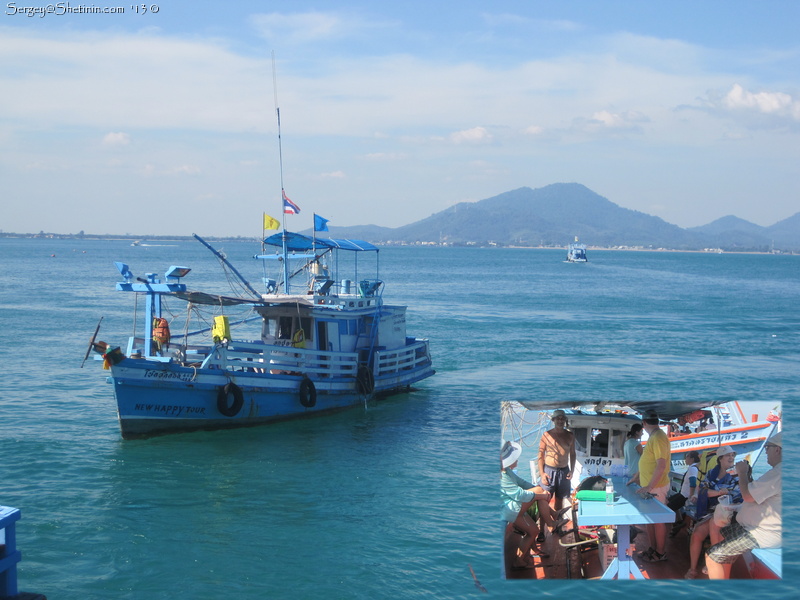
(695, 546)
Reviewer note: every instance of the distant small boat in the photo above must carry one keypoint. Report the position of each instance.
(136, 243)
(576, 252)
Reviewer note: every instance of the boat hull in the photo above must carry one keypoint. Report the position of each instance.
(160, 397)
(744, 439)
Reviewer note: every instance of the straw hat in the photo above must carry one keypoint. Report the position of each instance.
(510, 453)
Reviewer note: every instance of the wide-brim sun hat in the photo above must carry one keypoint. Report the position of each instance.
(775, 439)
(723, 450)
(510, 453)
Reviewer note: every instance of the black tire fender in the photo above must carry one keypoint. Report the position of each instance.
(365, 380)
(232, 409)
(308, 392)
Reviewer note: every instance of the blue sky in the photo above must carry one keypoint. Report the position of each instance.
(164, 122)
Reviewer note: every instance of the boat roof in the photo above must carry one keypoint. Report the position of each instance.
(299, 242)
(666, 409)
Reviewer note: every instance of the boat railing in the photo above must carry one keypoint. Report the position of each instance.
(9, 555)
(278, 360)
(408, 358)
(191, 353)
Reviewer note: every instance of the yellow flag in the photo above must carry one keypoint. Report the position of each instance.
(270, 223)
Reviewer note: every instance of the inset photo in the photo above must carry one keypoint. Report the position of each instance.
(641, 489)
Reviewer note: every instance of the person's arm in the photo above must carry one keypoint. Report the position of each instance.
(661, 466)
(542, 450)
(572, 456)
(639, 448)
(744, 484)
(692, 482)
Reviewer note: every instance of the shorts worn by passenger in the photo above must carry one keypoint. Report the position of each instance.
(737, 541)
(660, 493)
(560, 485)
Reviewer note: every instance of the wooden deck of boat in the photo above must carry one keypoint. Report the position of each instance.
(564, 563)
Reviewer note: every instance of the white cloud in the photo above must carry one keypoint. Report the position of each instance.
(299, 27)
(116, 139)
(333, 175)
(476, 135)
(519, 21)
(151, 170)
(386, 156)
(768, 103)
(286, 29)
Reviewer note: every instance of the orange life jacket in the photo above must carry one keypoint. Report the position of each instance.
(160, 330)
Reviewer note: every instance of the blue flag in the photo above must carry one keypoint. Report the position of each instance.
(320, 224)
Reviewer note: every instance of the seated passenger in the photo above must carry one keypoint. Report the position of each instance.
(757, 524)
(518, 496)
(718, 482)
(688, 490)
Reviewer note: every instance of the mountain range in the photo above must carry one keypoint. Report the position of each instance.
(555, 214)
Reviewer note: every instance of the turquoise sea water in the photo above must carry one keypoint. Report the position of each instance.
(395, 500)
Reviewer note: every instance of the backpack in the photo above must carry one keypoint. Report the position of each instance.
(594, 482)
(708, 460)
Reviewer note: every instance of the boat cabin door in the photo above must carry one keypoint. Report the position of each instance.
(328, 336)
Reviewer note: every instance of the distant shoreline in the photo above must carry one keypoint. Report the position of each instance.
(149, 239)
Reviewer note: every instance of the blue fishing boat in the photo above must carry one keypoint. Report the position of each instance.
(323, 339)
(323, 343)
(576, 252)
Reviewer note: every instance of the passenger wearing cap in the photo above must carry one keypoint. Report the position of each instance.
(557, 458)
(757, 524)
(518, 495)
(653, 477)
(719, 483)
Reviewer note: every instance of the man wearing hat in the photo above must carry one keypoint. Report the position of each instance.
(557, 458)
(653, 476)
(757, 524)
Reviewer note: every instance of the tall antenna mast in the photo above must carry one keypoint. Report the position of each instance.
(283, 192)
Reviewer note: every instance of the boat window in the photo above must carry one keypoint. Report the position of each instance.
(268, 329)
(599, 442)
(618, 443)
(284, 328)
(580, 440)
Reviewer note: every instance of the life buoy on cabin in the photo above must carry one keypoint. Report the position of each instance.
(232, 409)
(161, 333)
(365, 380)
(308, 392)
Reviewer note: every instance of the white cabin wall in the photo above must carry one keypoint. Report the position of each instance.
(392, 327)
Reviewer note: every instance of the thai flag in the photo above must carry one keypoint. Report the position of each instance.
(289, 207)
